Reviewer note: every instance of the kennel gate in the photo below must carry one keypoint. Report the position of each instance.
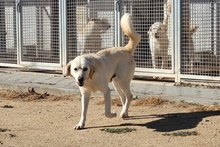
(30, 33)
(144, 14)
(203, 44)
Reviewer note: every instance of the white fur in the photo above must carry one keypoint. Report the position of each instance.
(93, 72)
(159, 43)
(190, 51)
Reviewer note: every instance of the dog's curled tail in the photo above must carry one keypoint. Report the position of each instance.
(128, 29)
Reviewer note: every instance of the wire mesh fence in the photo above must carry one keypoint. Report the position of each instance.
(90, 26)
(152, 20)
(200, 37)
(8, 40)
(40, 31)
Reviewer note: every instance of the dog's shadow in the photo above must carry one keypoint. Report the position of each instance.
(171, 121)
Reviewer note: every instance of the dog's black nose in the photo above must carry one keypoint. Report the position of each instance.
(80, 79)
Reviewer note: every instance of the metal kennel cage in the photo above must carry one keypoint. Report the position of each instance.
(144, 14)
(39, 31)
(82, 22)
(8, 39)
(200, 39)
(30, 33)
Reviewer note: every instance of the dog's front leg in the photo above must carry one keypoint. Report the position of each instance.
(84, 102)
(153, 60)
(107, 96)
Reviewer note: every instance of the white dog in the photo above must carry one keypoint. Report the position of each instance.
(159, 43)
(190, 51)
(89, 39)
(93, 72)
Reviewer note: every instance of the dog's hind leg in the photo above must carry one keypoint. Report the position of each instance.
(124, 87)
(153, 60)
(119, 91)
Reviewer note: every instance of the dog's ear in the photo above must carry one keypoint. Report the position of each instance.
(67, 69)
(92, 71)
(150, 29)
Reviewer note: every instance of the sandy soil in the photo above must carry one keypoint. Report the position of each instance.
(32, 119)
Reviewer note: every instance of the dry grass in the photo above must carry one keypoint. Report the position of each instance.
(205, 108)
(114, 102)
(151, 101)
(32, 95)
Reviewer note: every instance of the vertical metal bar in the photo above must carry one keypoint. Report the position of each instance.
(63, 33)
(61, 49)
(172, 19)
(117, 6)
(19, 30)
(177, 33)
(116, 23)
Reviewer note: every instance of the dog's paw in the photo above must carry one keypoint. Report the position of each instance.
(79, 126)
(124, 115)
(110, 115)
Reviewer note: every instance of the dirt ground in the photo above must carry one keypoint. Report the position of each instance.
(33, 119)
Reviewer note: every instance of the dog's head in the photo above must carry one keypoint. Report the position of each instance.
(80, 69)
(157, 30)
(99, 25)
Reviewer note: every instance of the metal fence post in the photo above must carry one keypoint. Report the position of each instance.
(177, 36)
(117, 6)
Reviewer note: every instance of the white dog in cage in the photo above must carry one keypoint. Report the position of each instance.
(159, 43)
(190, 51)
(93, 72)
(89, 38)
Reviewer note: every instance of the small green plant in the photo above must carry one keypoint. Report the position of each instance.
(182, 133)
(118, 130)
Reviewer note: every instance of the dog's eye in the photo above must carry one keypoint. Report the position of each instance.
(85, 69)
(75, 69)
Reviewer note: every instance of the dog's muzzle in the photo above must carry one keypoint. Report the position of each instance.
(80, 81)
(156, 35)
